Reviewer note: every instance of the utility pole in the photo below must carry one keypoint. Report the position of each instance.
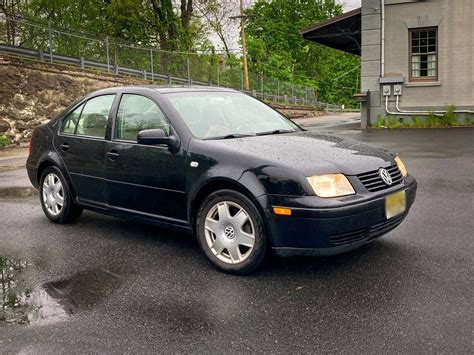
(244, 48)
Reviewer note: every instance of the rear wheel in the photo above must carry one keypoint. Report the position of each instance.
(231, 232)
(56, 199)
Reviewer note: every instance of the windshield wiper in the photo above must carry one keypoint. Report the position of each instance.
(232, 135)
(276, 131)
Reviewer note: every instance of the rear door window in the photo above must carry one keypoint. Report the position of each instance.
(137, 113)
(70, 122)
(94, 116)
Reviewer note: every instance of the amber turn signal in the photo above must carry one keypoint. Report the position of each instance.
(282, 211)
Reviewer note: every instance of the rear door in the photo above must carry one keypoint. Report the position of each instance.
(147, 180)
(81, 144)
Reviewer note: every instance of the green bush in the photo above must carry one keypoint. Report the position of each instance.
(4, 141)
(416, 122)
(381, 121)
(449, 118)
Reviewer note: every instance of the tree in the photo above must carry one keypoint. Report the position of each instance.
(217, 15)
(10, 8)
(276, 48)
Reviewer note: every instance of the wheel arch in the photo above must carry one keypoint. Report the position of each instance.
(218, 185)
(56, 162)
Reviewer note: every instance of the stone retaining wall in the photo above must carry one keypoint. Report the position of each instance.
(33, 92)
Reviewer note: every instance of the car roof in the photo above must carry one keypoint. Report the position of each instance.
(165, 89)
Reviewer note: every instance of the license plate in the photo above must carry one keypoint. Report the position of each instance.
(395, 204)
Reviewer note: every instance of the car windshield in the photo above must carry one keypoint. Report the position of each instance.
(215, 115)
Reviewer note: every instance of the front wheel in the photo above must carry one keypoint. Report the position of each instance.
(231, 232)
(56, 198)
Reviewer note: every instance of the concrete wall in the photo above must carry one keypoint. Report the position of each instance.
(371, 56)
(455, 21)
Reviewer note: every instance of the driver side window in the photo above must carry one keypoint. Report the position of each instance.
(137, 113)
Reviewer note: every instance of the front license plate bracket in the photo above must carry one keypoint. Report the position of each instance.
(395, 204)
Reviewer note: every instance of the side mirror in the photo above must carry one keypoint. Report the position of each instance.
(156, 136)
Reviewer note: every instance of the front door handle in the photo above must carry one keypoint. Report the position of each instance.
(64, 147)
(112, 155)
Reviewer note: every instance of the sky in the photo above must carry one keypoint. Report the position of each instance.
(350, 4)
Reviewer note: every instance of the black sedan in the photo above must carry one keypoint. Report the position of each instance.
(219, 164)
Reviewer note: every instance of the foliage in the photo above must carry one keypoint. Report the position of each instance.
(4, 141)
(125, 30)
(449, 118)
(432, 120)
(276, 48)
(217, 17)
(416, 121)
(154, 22)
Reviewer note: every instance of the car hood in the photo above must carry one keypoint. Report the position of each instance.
(310, 152)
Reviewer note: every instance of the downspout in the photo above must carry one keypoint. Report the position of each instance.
(382, 47)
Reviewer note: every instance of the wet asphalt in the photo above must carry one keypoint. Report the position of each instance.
(110, 285)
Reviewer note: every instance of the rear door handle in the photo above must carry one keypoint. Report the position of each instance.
(112, 155)
(64, 147)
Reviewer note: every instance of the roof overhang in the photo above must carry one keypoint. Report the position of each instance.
(342, 32)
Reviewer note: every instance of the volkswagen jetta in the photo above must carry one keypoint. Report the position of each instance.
(222, 165)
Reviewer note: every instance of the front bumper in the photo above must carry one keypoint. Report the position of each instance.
(330, 226)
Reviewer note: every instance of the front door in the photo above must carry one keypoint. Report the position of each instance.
(146, 180)
(81, 144)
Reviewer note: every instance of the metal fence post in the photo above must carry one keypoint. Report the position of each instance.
(106, 41)
(241, 81)
(189, 71)
(278, 90)
(218, 79)
(50, 41)
(151, 64)
(261, 88)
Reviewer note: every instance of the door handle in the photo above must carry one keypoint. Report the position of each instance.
(112, 155)
(64, 147)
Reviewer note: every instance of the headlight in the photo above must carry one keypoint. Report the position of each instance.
(331, 185)
(401, 166)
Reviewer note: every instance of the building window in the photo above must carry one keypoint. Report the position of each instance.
(424, 54)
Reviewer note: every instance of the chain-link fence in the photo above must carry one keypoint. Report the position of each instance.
(87, 51)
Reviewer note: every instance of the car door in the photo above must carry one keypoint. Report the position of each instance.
(147, 180)
(81, 144)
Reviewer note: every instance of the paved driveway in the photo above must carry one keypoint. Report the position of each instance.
(110, 285)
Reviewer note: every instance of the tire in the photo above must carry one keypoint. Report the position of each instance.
(225, 224)
(54, 190)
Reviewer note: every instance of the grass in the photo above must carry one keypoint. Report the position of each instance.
(432, 120)
(4, 141)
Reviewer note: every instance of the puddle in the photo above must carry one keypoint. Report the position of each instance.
(53, 301)
(17, 192)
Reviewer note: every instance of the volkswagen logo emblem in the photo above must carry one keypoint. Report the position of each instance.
(385, 176)
(229, 232)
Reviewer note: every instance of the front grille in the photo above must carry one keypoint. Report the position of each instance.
(349, 238)
(366, 233)
(384, 227)
(373, 182)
